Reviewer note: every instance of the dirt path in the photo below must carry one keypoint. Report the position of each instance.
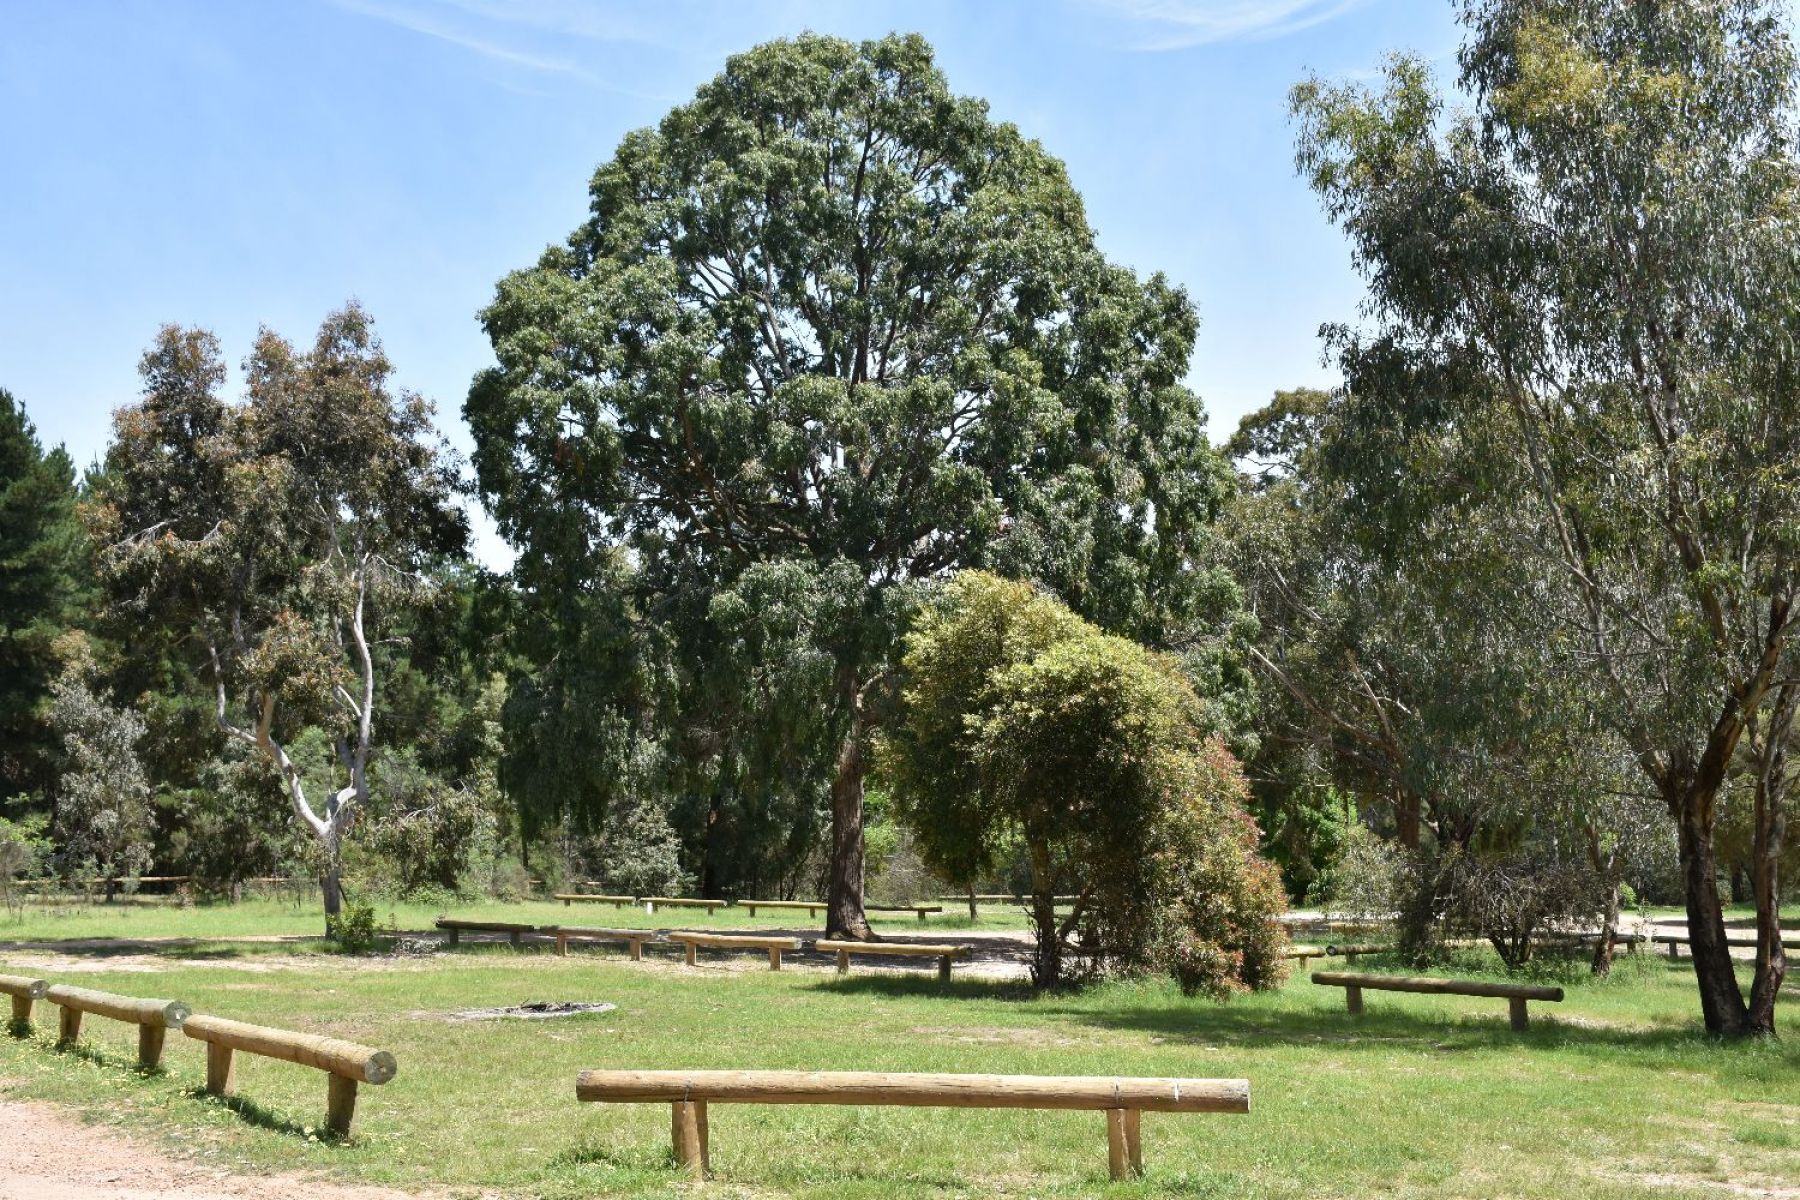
(52, 1156)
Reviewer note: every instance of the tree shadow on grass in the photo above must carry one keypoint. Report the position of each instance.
(182, 948)
(89, 1053)
(261, 1117)
(891, 985)
(1387, 1024)
(1320, 1021)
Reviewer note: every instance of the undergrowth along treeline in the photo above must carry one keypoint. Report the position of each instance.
(1499, 631)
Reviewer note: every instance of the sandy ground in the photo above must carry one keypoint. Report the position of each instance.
(52, 1156)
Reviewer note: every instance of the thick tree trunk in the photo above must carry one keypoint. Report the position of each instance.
(1609, 930)
(1605, 866)
(1766, 845)
(844, 916)
(1721, 999)
(1406, 818)
(331, 886)
(1046, 956)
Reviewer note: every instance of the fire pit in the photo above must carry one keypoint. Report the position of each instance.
(540, 1010)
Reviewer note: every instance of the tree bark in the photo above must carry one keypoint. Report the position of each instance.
(844, 915)
(1406, 818)
(1770, 830)
(1721, 999)
(1046, 956)
(1609, 929)
(1604, 865)
(332, 887)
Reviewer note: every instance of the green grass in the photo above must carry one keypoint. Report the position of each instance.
(157, 918)
(1612, 1094)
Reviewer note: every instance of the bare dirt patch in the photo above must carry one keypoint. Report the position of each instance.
(1768, 1189)
(52, 1156)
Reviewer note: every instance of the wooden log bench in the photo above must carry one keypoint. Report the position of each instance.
(24, 991)
(456, 927)
(813, 907)
(154, 1018)
(945, 953)
(345, 1064)
(1675, 941)
(1516, 994)
(1123, 1099)
(776, 946)
(1305, 954)
(711, 906)
(922, 909)
(1349, 953)
(569, 898)
(635, 938)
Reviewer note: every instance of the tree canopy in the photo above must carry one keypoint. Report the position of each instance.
(45, 586)
(1582, 321)
(271, 537)
(1024, 724)
(829, 333)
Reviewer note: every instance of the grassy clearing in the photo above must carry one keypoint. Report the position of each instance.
(147, 917)
(1612, 1094)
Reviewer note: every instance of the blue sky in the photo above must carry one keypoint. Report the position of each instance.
(230, 164)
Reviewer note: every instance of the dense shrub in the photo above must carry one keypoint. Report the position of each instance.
(1025, 726)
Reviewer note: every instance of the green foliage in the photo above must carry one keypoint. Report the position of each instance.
(353, 930)
(231, 825)
(103, 820)
(1022, 722)
(829, 331)
(640, 854)
(1366, 880)
(1582, 341)
(425, 831)
(269, 539)
(25, 853)
(44, 589)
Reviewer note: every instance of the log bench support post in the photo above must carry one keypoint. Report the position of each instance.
(1124, 1143)
(221, 1071)
(150, 1046)
(340, 1104)
(943, 968)
(154, 1018)
(687, 1127)
(843, 957)
(1353, 1000)
(455, 935)
(24, 992)
(693, 957)
(774, 958)
(1516, 1009)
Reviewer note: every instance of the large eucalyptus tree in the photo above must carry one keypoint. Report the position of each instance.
(273, 540)
(1583, 313)
(831, 332)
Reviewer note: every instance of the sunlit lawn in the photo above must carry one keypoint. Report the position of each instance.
(1614, 1093)
(160, 917)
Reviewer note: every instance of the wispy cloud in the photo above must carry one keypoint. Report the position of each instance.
(1177, 24)
(458, 23)
(418, 21)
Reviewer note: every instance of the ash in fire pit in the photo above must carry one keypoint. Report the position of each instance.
(541, 1010)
